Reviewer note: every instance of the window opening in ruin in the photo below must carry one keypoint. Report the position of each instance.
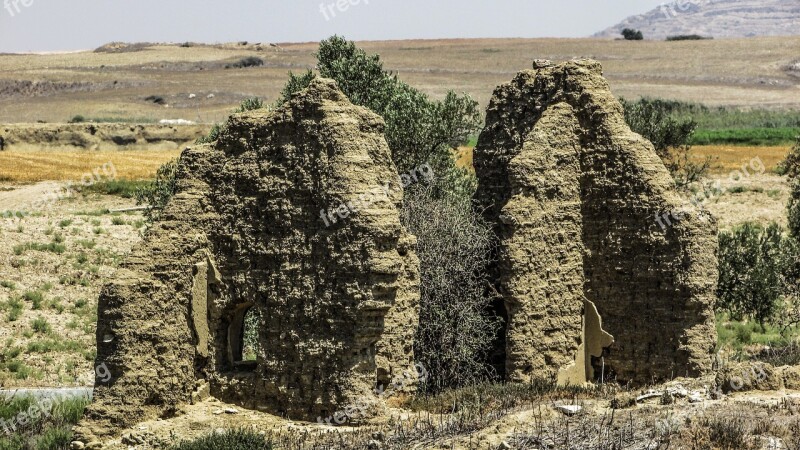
(243, 342)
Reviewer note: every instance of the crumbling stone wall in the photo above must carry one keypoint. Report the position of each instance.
(573, 197)
(282, 214)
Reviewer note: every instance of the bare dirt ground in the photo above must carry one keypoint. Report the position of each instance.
(53, 262)
(116, 84)
(765, 419)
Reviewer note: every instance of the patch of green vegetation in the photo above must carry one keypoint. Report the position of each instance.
(250, 104)
(737, 334)
(745, 136)
(737, 189)
(47, 430)
(121, 187)
(8, 285)
(65, 223)
(35, 297)
(41, 325)
(55, 345)
(118, 221)
(688, 37)
(94, 213)
(81, 258)
(87, 244)
(212, 135)
(14, 306)
(229, 440)
(52, 247)
(774, 193)
(250, 61)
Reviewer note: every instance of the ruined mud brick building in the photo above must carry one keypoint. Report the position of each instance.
(338, 301)
(573, 196)
(590, 284)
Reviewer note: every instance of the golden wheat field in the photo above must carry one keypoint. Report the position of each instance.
(727, 158)
(34, 166)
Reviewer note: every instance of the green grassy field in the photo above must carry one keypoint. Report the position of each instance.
(746, 136)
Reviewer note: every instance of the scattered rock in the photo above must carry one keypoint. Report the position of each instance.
(569, 410)
(77, 445)
(648, 395)
(696, 397)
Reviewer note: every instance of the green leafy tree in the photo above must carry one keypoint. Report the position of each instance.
(791, 168)
(419, 130)
(654, 120)
(751, 264)
(632, 35)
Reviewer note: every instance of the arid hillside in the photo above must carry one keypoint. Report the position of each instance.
(147, 83)
(715, 18)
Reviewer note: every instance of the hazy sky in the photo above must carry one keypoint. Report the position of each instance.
(49, 25)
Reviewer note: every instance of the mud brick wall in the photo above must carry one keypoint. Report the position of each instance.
(338, 299)
(573, 196)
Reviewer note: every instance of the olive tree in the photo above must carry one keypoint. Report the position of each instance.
(419, 130)
(652, 118)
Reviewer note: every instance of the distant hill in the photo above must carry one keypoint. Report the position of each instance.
(715, 18)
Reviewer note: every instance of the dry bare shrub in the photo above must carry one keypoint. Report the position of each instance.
(456, 326)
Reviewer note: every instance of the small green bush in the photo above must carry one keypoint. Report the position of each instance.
(228, 440)
(40, 325)
(77, 119)
(157, 193)
(688, 37)
(250, 104)
(250, 61)
(120, 188)
(212, 136)
(52, 247)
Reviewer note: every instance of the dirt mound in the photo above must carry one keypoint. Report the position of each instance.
(292, 214)
(586, 215)
(98, 136)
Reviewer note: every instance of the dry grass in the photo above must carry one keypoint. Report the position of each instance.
(34, 166)
(728, 158)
